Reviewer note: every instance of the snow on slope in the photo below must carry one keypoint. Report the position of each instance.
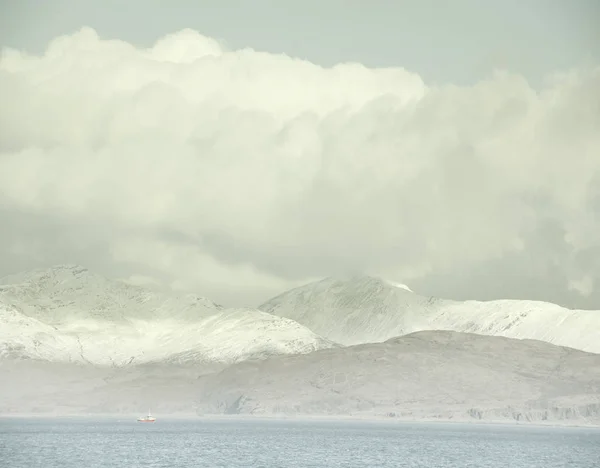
(64, 293)
(538, 320)
(68, 314)
(227, 336)
(237, 334)
(354, 311)
(25, 336)
(368, 310)
(434, 374)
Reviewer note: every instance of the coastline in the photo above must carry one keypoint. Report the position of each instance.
(303, 418)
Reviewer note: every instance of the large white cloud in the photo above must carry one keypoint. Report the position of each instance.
(236, 170)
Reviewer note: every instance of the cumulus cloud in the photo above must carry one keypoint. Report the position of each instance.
(238, 173)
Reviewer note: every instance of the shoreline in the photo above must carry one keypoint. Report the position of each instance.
(373, 419)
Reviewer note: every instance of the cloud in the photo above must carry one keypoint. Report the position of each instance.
(235, 170)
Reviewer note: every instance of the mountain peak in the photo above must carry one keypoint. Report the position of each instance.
(363, 281)
(67, 293)
(399, 285)
(67, 313)
(353, 310)
(366, 309)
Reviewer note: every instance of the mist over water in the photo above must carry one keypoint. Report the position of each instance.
(116, 443)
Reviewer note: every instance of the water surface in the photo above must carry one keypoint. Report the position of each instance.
(114, 443)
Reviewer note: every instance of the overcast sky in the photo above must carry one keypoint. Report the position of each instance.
(238, 148)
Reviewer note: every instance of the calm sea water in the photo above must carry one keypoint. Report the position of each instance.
(82, 443)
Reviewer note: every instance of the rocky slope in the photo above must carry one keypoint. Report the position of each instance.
(425, 375)
(422, 376)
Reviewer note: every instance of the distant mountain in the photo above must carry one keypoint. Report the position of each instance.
(367, 310)
(436, 375)
(67, 293)
(68, 314)
(425, 375)
(356, 310)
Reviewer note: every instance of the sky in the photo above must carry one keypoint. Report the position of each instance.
(238, 149)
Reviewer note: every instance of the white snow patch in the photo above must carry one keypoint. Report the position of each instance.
(399, 285)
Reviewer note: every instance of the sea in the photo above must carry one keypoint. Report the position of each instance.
(123, 443)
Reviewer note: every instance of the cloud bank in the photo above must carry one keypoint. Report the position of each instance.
(238, 173)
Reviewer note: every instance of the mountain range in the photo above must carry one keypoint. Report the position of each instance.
(341, 346)
(68, 314)
(366, 310)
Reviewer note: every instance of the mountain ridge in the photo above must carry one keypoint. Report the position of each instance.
(370, 309)
(69, 314)
(73, 288)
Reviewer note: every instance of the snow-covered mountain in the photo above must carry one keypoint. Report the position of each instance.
(354, 311)
(67, 293)
(367, 310)
(426, 375)
(68, 314)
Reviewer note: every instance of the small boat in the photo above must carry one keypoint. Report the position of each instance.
(147, 418)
